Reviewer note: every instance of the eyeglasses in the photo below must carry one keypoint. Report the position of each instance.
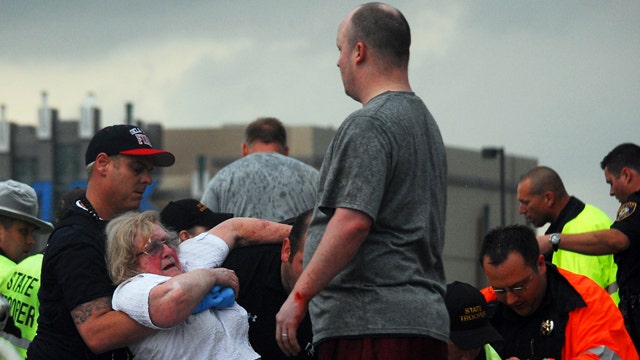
(154, 247)
(515, 290)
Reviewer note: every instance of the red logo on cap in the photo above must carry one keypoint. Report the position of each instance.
(143, 139)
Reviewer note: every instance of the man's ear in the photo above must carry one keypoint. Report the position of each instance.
(360, 52)
(184, 235)
(285, 253)
(550, 198)
(627, 175)
(542, 265)
(245, 149)
(102, 163)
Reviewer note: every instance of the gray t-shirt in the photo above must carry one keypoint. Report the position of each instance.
(388, 161)
(263, 185)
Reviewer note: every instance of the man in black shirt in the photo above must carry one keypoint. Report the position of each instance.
(76, 320)
(267, 273)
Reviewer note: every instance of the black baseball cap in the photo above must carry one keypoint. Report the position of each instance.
(470, 327)
(126, 140)
(187, 213)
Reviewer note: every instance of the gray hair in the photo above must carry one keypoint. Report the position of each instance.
(121, 236)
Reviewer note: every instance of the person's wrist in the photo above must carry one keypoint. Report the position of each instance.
(554, 239)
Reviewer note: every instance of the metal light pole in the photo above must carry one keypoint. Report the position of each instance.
(492, 153)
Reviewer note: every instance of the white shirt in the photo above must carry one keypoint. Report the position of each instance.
(211, 334)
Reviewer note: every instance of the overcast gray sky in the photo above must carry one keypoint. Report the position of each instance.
(554, 80)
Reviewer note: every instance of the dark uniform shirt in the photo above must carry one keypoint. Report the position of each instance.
(74, 272)
(628, 221)
(540, 335)
(262, 295)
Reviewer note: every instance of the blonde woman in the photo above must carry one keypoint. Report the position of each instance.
(161, 282)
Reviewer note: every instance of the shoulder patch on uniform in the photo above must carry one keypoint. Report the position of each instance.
(626, 210)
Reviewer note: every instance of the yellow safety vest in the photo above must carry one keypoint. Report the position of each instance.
(6, 265)
(601, 268)
(20, 287)
(490, 353)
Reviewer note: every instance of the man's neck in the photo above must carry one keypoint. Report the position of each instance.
(2, 253)
(104, 211)
(263, 147)
(384, 86)
(562, 203)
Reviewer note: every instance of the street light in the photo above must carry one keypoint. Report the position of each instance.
(492, 153)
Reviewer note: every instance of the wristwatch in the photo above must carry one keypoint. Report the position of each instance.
(554, 239)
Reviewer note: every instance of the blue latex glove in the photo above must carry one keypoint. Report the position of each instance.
(218, 297)
(206, 303)
(227, 296)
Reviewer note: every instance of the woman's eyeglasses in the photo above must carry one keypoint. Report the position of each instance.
(154, 246)
(515, 290)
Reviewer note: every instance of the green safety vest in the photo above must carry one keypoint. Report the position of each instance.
(20, 287)
(6, 265)
(601, 268)
(490, 353)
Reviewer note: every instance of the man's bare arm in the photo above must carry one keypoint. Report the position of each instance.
(104, 329)
(344, 235)
(171, 302)
(600, 242)
(250, 231)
